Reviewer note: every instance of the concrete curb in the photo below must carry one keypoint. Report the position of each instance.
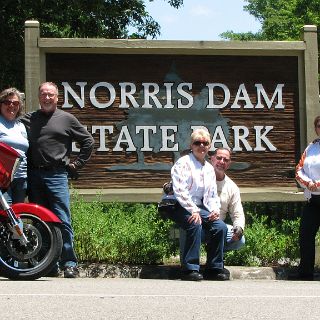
(172, 272)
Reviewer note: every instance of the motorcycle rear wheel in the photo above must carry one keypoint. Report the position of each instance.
(18, 262)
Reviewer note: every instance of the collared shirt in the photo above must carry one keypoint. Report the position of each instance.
(230, 200)
(194, 181)
(308, 168)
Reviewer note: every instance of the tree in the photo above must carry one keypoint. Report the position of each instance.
(280, 19)
(73, 18)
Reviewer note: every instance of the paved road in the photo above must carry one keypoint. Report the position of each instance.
(100, 298)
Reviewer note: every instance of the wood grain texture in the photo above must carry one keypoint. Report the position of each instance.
(266, 168)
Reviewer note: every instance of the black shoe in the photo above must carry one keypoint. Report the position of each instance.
(191, 275)
(54, 273)
(300, 276)
(216, 274)
(71, 272)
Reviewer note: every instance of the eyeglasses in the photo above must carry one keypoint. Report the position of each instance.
(219, 158)
(199, 143)
(10, 102)
(44, 95)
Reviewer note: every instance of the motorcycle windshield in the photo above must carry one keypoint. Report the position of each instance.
(9, 161)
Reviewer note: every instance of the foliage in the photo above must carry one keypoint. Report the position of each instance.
(267, 244)
(280, 19)
(73, 18)
(243, 36)
(120, 233)
(135, 234)
(276, 212)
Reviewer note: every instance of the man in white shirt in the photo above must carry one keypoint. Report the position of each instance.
(230, 199)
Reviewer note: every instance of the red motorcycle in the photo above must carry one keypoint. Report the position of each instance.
(30, 237)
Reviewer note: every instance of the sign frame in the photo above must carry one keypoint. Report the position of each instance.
(306, 50)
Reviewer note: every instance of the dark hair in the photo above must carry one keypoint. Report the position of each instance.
(316, 120)
(220, 148)
(12, 92)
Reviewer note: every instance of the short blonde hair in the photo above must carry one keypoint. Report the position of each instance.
(199, 133)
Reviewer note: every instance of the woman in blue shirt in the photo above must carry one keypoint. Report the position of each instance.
(13, 133)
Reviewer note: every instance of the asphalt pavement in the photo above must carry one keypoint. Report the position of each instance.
(141, 299)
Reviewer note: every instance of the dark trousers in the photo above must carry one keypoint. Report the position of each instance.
(215, 235)
(309, 226)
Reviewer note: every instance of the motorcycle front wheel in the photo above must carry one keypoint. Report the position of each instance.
(37, 257)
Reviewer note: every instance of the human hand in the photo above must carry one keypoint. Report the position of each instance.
(195, 217)
(237, 233)
(213, 216)
(167, 188)
(312, 186)
(72, 171)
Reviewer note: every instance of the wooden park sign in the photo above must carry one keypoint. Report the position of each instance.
(141, 99)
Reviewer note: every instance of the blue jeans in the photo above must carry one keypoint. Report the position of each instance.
(309, 226)
(228, 246)
(233, 244)
(215, 233)
(49, 188)
(17, 191)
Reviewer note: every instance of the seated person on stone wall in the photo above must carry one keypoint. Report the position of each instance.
(194, 186)
(230, 201)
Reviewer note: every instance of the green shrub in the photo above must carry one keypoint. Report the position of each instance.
(134, 234)
(120, 233)
(267, 244)
(275, 211)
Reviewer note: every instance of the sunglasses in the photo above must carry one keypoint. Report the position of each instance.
(219, 158)
(199, 143)
(9, 103)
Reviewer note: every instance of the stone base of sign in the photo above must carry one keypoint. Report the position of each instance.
(153, 195)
